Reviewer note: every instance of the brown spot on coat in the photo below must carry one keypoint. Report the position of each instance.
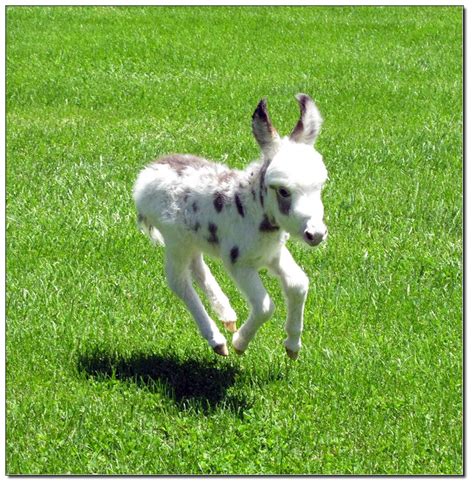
(225, 177)
(266, 226)
(218, 201)
(212, 234)
(180, 162)
(234, 254)
(238, 204)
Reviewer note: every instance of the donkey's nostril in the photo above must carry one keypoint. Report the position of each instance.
(315, 238)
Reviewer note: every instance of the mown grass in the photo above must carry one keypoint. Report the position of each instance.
(106, 372)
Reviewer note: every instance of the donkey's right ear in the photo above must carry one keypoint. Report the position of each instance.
(263, 130)
(309, 125)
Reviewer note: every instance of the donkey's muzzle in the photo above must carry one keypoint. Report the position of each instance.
(314, 238)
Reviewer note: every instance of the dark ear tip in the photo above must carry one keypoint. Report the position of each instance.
(261, 110)
(303, 98)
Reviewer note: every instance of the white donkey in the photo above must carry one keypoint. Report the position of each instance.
(195, 206)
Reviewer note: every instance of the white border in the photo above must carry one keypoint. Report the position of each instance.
(230, 2)
(468, 280)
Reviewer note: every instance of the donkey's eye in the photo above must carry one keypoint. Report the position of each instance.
(283, 192)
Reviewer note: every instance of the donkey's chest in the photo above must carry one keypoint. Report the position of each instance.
(252, 248)
(263, 253)
(236, 243)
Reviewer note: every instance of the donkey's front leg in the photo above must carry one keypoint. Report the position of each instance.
(295, 286)
(179, 279)
(248, 280)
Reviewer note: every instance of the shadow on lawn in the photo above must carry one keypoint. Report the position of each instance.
(191, 383)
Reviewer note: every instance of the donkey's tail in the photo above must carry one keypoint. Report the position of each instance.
(149, 230)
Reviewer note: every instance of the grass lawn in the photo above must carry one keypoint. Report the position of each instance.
(106, 372)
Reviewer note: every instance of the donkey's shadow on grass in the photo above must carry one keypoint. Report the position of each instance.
(191, 383)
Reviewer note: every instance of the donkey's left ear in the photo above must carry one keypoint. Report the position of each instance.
(309, 125)
(263, 130)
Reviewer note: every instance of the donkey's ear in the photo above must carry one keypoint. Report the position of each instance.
(309, 125)
(263, 130)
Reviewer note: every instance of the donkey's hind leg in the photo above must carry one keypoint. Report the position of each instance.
(179, 279)
(219, 301)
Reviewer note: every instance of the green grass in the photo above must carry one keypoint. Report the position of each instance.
(106, 372)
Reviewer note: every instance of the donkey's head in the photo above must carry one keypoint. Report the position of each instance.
(293, 172)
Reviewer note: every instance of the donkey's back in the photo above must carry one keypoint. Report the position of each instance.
(171, 192)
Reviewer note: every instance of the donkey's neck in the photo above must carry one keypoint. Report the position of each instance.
(258, 195)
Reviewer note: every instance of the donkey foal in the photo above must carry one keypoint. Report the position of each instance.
(194, 206)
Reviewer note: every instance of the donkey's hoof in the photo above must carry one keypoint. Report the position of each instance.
(292, 354)
(238, 343)
(221, 349)
(238, 351)
(230, 326)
